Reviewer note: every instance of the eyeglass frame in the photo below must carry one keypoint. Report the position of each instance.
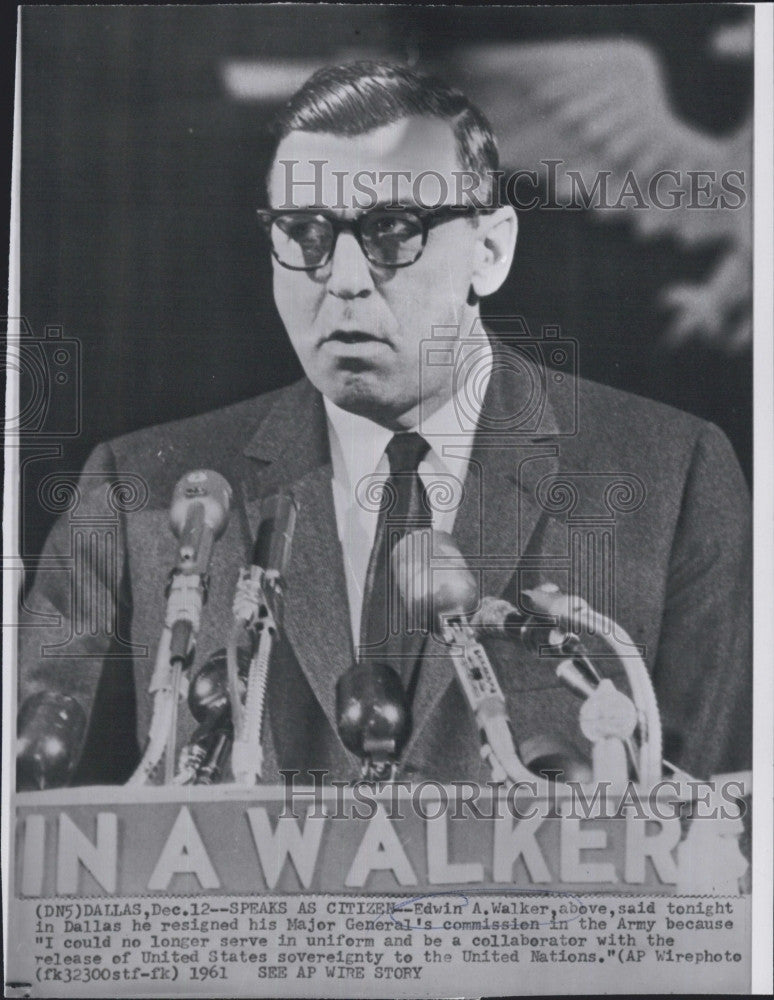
(428, 217)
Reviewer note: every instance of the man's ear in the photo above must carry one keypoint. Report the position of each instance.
(494, 250)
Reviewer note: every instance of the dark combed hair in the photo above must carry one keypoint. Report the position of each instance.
(354, 98)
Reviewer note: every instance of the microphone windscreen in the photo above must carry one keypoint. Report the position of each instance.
(50, 730)
(433, 579)
(201, 498)
(372, 712)
(275, 533)
(208, 696)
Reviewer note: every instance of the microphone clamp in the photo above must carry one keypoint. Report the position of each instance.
(202, 582)
(252, 606)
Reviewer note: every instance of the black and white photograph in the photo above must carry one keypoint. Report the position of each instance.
(378, 516)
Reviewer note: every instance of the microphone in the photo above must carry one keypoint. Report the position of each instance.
(200, 510)
(203, 758)
(433, 580)
(198, 516)
(270, 559)
(50, 730)
(443, 589)
(275, 534)
(503, 619)
(373, 717)
(208, 691)
(258, 612)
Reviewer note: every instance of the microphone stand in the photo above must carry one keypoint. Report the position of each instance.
(253, 602)
(186, 592)
(436, 585)
(199, 515)
(608, 716)
(485, 697)
(258, 610)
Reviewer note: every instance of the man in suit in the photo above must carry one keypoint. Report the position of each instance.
(539, 476)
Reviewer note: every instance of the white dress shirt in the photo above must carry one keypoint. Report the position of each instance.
(360, 464)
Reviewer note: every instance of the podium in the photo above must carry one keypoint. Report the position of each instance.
(429, 837)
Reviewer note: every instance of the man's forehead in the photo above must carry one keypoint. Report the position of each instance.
(342, 163)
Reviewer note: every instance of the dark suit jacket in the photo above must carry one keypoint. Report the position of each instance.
(640, 508)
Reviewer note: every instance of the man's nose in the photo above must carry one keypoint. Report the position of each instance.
(350, 276)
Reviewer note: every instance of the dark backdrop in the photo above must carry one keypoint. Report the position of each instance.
(140, 175)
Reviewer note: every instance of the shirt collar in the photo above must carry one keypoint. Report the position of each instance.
(357, 443)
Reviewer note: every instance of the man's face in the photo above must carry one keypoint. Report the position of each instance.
(358, 327)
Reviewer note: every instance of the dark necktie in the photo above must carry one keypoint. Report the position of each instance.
(404, 508)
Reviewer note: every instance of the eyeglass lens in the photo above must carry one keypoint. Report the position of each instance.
(307, 241)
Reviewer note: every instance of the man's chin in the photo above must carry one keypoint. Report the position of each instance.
(366, 393)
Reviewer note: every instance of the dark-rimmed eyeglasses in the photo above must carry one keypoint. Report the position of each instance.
(305, 239)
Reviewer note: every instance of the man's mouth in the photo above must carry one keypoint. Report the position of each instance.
(353, 337)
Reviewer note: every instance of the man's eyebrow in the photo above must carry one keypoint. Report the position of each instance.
(397, 204)
(351, 213)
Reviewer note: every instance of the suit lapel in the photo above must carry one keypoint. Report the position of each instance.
(290, 451)
(500, 511)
